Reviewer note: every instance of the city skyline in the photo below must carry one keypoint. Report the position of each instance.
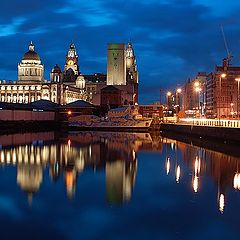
(167, 35)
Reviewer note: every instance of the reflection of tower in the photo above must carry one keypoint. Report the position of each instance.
(29, 177)
(120, 180)
(55, 171)
(71, 68)
(70, 181)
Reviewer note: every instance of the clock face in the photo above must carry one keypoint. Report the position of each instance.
(70, 62)
(71, 54)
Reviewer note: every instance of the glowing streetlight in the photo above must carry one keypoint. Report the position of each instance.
(179, 90)
(238, 81)
(198, 89)
(223, 75)
(169, 94)
(196, 84)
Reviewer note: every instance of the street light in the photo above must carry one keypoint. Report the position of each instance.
(238, 80)
(178, 92)
(223, 75)
(198, 89)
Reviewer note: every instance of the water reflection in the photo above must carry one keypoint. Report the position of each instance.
(200, 162)
(115, 153)
(67, 157)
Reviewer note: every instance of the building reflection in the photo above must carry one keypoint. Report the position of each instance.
(115, 153)
(201, 162)
(65, 158)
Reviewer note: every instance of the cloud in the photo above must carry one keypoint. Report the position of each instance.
(11, 28)
(173, 40)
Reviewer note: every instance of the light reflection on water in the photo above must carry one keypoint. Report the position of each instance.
(128, 161)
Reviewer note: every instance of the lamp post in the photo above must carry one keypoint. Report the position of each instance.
(238, 81)
(178, 92)
(198, 90)
(223, 75)
(169, 94)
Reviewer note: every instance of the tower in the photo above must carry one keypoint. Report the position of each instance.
(116, 64)
(30, 69)
(132, 72)
(56, 87)
(131, 65)
(56, 75)
(71, 68)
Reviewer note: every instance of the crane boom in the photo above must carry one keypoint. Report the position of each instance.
(229, 54)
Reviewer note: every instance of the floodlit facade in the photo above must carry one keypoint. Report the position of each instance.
(69, 85)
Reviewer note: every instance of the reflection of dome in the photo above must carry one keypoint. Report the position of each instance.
(31, 54)
(29, 177)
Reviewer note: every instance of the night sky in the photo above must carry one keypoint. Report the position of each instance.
(173, 39)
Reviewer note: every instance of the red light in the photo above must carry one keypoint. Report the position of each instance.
(69, 112)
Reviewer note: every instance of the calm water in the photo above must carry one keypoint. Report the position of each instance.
(116, 186)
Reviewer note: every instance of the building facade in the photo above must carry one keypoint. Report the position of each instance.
(222, 92)
(70, 84)
(194, 96)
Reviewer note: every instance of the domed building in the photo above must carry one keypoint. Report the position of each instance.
(30, 69)
(69, 85)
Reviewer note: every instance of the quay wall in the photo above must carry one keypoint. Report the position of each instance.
(23, 115)
(221, 133)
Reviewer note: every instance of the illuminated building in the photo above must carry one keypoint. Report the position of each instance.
(193, 100)
(122, 74)
(69, 85)
(222, 91)
(116, 64)
(31, 85)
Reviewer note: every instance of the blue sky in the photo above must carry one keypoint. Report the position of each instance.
(173, 39)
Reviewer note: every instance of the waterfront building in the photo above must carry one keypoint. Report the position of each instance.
(222, 91)
(116, 64)
(70, 84)
(31, 85)
(122, 74)
(154, 110)
(194, 97)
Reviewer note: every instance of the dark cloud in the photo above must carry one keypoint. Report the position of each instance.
(173, 40)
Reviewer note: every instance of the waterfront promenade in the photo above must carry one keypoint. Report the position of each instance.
(224, 130)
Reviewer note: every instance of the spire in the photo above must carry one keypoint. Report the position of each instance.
(31, 46)
(72, 46)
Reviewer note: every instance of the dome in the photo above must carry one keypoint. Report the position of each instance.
(31, 54)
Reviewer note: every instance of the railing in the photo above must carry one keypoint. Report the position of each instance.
(210, 122)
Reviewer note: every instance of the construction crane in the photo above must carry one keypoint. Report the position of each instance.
(229, 54)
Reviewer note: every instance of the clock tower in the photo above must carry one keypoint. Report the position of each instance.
(71, 68)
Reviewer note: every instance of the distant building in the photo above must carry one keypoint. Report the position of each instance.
(151, 110)
(194, 98)
(111, 97)
(70, 84)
